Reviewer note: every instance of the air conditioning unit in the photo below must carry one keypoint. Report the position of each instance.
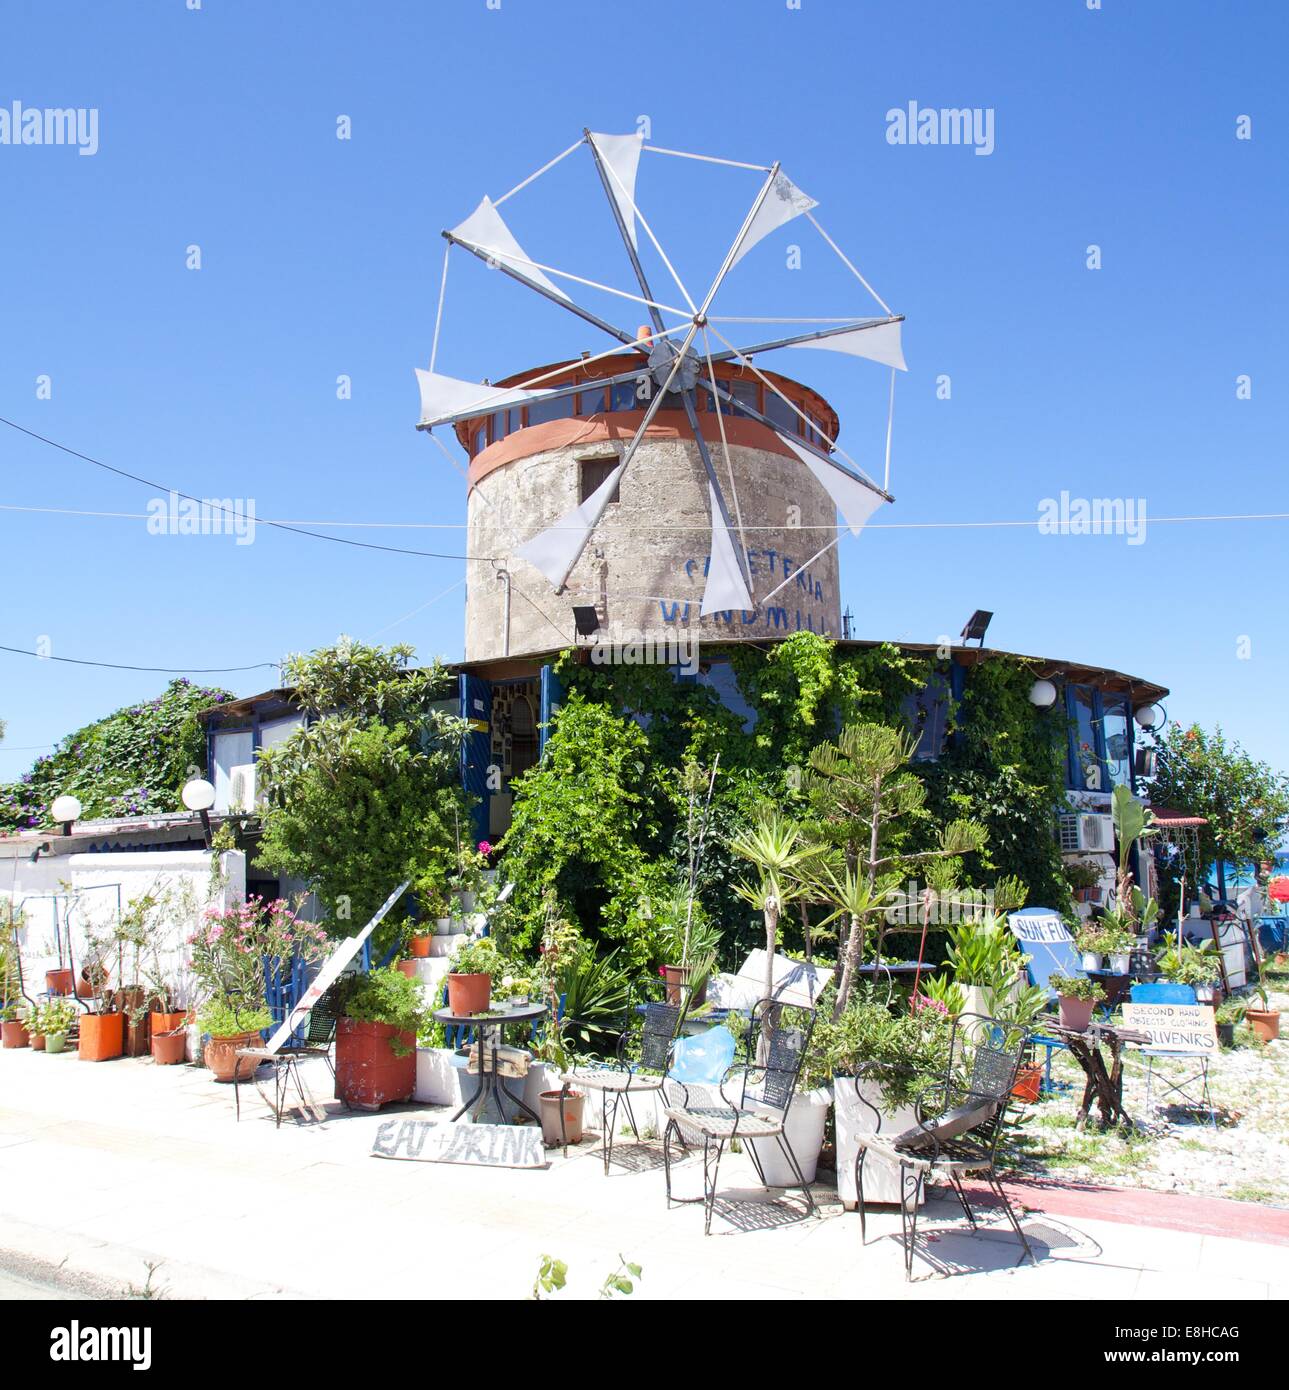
(241, 787)
(1087, 832)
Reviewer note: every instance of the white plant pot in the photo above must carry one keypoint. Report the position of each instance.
(466, 901)
(1120, 961)
(881, 1177)
(804, 1135)
(1091, 960)
(442, 926)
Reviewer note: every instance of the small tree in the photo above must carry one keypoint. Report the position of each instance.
(1245, 803)
(366, 794)
(867, 801)
(776, 847)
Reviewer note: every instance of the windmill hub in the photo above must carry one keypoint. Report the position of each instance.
(662, 358)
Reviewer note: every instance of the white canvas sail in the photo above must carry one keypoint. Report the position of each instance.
(726, 587)
(554, 551)
(853, 499)
(486, 231)
(781, 204)
(621, 153)
(442, 397)
(880, 343)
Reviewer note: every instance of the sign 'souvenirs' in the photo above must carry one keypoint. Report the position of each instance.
(1174, 1027)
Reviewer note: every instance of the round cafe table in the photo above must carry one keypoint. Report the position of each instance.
(488, 1027)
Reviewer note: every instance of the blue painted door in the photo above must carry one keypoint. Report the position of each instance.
(476, 752)
(552, 693)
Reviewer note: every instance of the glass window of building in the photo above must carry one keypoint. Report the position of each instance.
(721, 678)
(622, 396)
(744, 393)
(539, 412)
(927, 713)
(1116, 726)
(1085, 751)
(780, 413)
(591, 401)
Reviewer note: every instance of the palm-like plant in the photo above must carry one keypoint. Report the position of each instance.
(776, 847)
(862, 792)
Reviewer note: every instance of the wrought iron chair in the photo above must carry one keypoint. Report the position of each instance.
(959, 1124)
(765, 1086)
(619, 1080)
(1183, 1089)
(319, 1034)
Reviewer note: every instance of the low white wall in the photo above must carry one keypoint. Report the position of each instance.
(99, 886)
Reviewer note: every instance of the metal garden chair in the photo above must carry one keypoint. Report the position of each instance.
(619, 1080)
(1184, 1089)
(959, 1124)
(756, 1096)
(319, 1034)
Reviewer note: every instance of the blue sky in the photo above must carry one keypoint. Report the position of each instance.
(321, 257)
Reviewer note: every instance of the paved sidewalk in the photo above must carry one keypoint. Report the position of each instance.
(130, 1176)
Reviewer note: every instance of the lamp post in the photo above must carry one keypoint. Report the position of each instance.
(199, 795)
(67, 809)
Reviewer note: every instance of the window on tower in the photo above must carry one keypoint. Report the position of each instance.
(593, 473)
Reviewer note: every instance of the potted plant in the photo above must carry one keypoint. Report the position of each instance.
(1228, 1015)
(230, 950)
(1265, 1021)
(1197, 966)
(378, 1016)
(1084, 878)
(474, 965)
(102, 1030)
(1092, 941)
(1077, 997)
(438, 910)
(1119, 940)
(689, 941)
(55, 1022)
(13, 1029)
(882, 1063)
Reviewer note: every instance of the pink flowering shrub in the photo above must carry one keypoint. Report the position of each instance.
(229, 950)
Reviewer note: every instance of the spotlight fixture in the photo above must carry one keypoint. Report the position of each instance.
(976, 626)
(586, 619)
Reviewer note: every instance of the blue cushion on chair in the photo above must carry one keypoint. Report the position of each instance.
(704, 1058)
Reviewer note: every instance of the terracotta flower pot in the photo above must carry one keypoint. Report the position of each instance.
(1076, 1013)
(37, 1042)
(169, 1038)
(369, 1072)
(408, 968)
(574, 1106)
(14, 1033)
(1264, 1022)
(59, 982)
(420, 946)
(84, 988)
(102, 1037)
(1029, 1083)
(675, 976)
(469, 994)
(130, 1001)
(220, 1056)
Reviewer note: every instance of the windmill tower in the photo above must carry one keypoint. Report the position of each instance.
(671, 484)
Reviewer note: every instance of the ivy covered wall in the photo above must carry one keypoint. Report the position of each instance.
(602, 820)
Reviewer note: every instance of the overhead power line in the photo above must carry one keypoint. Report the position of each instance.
(214, 505)
(156, 670)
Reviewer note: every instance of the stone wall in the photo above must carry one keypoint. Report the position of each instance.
(645, 566)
